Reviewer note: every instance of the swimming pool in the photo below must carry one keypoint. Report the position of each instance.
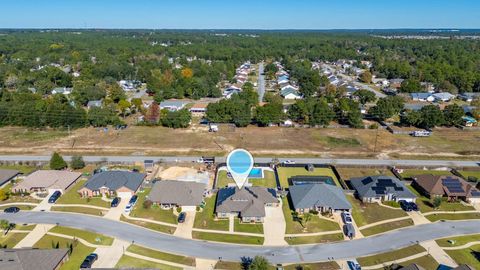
(255, 173)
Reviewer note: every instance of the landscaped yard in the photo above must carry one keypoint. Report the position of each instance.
(466, 174)
(154, 212)
(223, 265)
(410, 173)
(334, 237)
(12, 198)
(387, 227)
(468, 256)
(267, 181)
(286, 172)
(73, 197)
(11, 239)
(458, 241)
(131, 262)
(459, 216)
(78, 209)
(228, 238)
(91, 237)
(427, 262)
(150, 225)
(206, 218)
(313, 266)
(24, 169)
(79, 253)
(161, 255)
(348, 173)
(425, 204)
(247, 227)
(316, 224)
(391, 256)
(364, 214)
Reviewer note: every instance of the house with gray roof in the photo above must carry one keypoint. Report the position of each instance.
(7, 175)
(94, 103)
(173, 105)
(169, 193)
(247, 203)
(381, 188)
(321, 197)
(32, 259)
(119, 183)
(290, 92)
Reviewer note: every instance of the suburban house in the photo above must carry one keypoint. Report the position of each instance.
(173, 105)
(319, 197)
(396, 83)
(452, 187)
(47, 181)
(381, 188)
(422, 97)
(62, 90)
(443, 97)
(33, 258)
(94, 103)
(247, 203)
(120, 183)
(199, 109)
(468, 96)
(7, 175)
(290, 93)
(169, 193)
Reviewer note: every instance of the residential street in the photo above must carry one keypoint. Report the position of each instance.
(304, 253)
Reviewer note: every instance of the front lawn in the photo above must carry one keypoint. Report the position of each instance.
(22, 207)
(314, 239)
(316, 224)
(135, 263)
(468, 256)
(268, 180)
(78, 209)
(366, 213)
(425, 204)
(409, 173)
(150, 225)
(79, 253)
(466, 174)
(390, 256)
(247, 227)
(73, 197)
(459, 216)
(24, 169)
(313, 266)
(228, 265)
(427, 262)
(11, 239)
(228, 238)
(286, 172)
(154, 212)
(91, 237)
(156, 254)
(387, 227)
(458, 241)
(206, 218)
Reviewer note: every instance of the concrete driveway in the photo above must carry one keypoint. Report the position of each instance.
(109, 256)
(44, 205)
(184, 229)
(116, 212)
(274, 227)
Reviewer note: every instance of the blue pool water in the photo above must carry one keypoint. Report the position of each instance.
(255, 173)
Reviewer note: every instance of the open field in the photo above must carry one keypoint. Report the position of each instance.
(326, 238)
(364, 214)
(425, 204)
(390, 256)
(73, 197)
(79, 253)
(91, 237)
(153, 213)
(127, 262)
(286, 172)
(348, 173)
(228, 238)
(11, 239)
(161, 255)
(387, 227)
(409, 173)
(467, 255)
(267, 181)
(206, 218)
(261, 141)
(316, 224)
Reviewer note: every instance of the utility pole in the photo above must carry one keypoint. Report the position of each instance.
(376, 140)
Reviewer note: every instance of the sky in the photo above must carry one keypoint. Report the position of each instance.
(245, 14)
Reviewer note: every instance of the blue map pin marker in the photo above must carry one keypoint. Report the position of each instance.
(239, 164)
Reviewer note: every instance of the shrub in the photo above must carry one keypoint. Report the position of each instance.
(57, 162)
(147, 204)
(77, 163)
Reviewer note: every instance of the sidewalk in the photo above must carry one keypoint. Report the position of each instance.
(36, 234)
(438, 253)
(109, 256)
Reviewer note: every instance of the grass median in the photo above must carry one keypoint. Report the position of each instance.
(150, 225)
(314, 239)
(131, 262)
(390, 256)
(79, 209)
(91, 237)
(453, 216)
(385, 227)
(161, 255)
(228, 238)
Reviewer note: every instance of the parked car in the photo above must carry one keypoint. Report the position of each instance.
(115, 202)
(89, 260)
(289, 162)
(405, 206)
(347, 217)
(12, 209)
(54, 197)
(354, 265)
(413, 206)
(133, 200)
(181, 217)
(128, 208)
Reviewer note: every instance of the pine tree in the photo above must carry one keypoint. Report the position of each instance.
(57, 162)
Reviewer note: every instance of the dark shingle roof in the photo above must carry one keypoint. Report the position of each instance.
(318, 195)
(380, 185)
(6, 175)
(177, 192)
(248, 201)
(114, 180)
(31, 259)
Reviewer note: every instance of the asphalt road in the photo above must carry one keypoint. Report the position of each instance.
(360, 162)
(261, 82)
(230, 252)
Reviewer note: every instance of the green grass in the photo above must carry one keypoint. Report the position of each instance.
(228, 265)
(268, 180)
(77, 209)
(459, 240)
(466, 174)
(27, 227)
(22, 207)
(36, 135)
(11, 239)
(316, 224)
(154, 213)
(326, 238)
(25, 169)
(392, 204)
(12, 199)
(341, 142)
(91, 237)
(348, 173)
(372, 212)
(79, 253)
(460, 216)
(390, 256)
(161, 255)
(150, 225)
(313, 266)
(466, 256)
(73, 197)
(286, 172)
(410, 173)
(205, 218)
(425, 204)
(427, 262)
(247, 227)
(131, 262)
(387, 227)
(228, 238)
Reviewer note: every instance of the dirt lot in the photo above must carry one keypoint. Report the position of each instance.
(274, 141)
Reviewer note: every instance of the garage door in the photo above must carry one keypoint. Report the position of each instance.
(125, 195)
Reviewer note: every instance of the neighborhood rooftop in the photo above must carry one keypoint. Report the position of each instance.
(179, 193)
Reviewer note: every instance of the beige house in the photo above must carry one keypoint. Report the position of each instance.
(47, 181)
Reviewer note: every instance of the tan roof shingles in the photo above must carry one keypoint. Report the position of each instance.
(48, 179)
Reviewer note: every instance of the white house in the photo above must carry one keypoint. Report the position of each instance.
(443, 96)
